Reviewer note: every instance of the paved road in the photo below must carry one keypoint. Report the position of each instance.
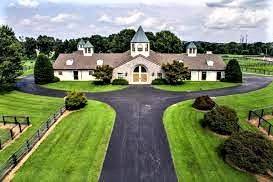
(138, 150)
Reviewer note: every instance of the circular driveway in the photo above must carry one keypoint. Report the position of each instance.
(138, 148)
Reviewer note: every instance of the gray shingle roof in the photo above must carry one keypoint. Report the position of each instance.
(191, 45)
(140, 36)
(87, 45)
(81, 42)
(117, 59)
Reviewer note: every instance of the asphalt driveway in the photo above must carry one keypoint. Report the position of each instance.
(138, 148)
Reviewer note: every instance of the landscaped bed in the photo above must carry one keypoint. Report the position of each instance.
(75, 149)
(195, 86)
(83, 86)
(37, 107)
(195, 149)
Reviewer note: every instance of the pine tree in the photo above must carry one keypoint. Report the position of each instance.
(233, 72)
(43, 70)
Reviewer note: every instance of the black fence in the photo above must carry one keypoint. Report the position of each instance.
(24, 149)
(18, 123)
(256, 70)
(259, 114)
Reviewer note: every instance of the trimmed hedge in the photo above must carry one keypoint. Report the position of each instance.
(249, 151)
(159, 81)
(75, 100)
(120, 81)
(222, 120)
(203, 103)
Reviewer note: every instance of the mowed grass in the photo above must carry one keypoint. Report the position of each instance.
(28, 66)
(195, 86)
(37, 107)
(75, 149)
(4, 135)
(195, 150)
(82, 86)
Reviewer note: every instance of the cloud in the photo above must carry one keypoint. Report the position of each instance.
(129, 19)
(105, 18)
(2, 21)
(27, 3)
(63, 17)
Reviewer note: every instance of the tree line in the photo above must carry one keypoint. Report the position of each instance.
(163, 41)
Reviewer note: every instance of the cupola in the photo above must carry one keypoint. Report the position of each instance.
(80, 45)
(192, 50)
(88, 49)
(140, 44)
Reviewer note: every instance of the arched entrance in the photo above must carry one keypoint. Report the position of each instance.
(140, 74)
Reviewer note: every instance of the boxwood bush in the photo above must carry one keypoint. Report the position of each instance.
(120, 81)
(159, 81)
(203, 103)
(75, 100)
(222, 120)
(249, 151)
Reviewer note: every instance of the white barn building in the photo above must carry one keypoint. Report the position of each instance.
(139, 65)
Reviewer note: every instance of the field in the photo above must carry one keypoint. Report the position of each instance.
(251, 65)
(195, 86)
(195, 150)
(4, 135)
(75, 149)
(82, 86)
(37, 107)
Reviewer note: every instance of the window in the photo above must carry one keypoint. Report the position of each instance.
(120, 75)
(89, 50)
(85, 50)
(219, 76)
(136, 70)
(204, 75)
(133, 47)
(159, 75)
(146, 47)
(139, 47)
(91, 72)
(153, 74)
(190, 50)
(60, 73)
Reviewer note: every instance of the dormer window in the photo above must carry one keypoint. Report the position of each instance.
(89, 50)
(69, 62)
(99, 62)
(210, 63)
(139, 47)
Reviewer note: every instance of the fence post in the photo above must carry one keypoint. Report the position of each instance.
(259, 122)
(28, 146)
(4, 120)
(14, 158)
(28, 120)
(11, 134)
(269, 129)
(0, 144)
(20, 127)
(249, 115)
(15, 120)
(262, 114)
(47, 125)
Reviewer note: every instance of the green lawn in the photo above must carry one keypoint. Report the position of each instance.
(28, 66)
(37, 107)
(75, 149)
(4, 135)
(194, 149)
(195, 86)
(83, 86)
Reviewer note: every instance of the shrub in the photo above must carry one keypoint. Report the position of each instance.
(55, 79)
(43, 70)
(249, 151)
(233, 72)
(203, 103)
(176, 72)
(159, 81)
(104, 73)
(75, 100)
(120, 81)
(222, 120)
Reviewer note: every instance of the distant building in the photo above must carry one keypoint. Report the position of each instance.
(139, 65)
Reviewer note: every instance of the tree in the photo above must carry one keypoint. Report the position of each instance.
(167, 42)
(30, 46)
(175, 73)
(233, 72)
(100, 43)
(43, 70)
(104, 73)
(10, 62)
(121, 42)
(45, 44)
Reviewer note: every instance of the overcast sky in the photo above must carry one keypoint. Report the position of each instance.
(207, 20)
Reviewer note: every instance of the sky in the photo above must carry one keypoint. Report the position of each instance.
(191, 20)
